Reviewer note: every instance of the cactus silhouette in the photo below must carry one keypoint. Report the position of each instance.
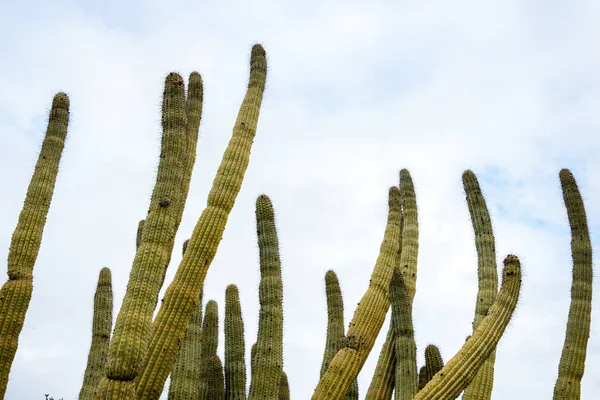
(15, 294)
(101, 328)
(572, 360)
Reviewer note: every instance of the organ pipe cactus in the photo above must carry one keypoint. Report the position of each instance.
(101, 328)
(459, 372)
(384, 378)
(268, 360)
(15, 294)
(433, 362)
(422, 377)
(406, 375)
(185, 376)
(182, 295)
(284, 387)
(235, 363)
(369, 314)
(213, 368)
(487, 272)
(132, 328)
(572, 360)
(209, 344)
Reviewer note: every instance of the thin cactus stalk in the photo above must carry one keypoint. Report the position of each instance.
(214, 373)
(268, 360)
(252, 360)
(284, 387)
(406, 379)
(182, 295)
(186, 371)
(15, 294)
(209, 345)
(572, 360)
(433, 362)
(410, 234)
(384, 378)
(459, 372)
(235, 362)
(138, 236)
(134, 321)
(487, 272)
(101, 328)
(423, 377)
(369, 314)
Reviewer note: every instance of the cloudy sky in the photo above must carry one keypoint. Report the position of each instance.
(355, 92)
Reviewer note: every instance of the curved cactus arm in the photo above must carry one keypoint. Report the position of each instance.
(369, 314)
(182, 295)
(101, 328)
(235, 363)
(134, 321)
(572, 360)
(458, 373)
(15, 294)
(406, 375)
(433, 362)
(185, 376)
(487, 272)
(284, 387)
(268, 360)
(208, 346)
(384, 377)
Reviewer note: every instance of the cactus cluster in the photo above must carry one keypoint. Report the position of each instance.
(182, 339)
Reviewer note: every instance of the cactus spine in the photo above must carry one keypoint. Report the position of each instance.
(101, 328)
(268, 360)
(132, 328)
(209, 344)
(458, 373)
(235, 363)
(433, 362)
(369, 314)
(185, 376)
(15, 294)
(284, 387)
(406, 378)
(182, 294)
(572, 360)
(487, 271)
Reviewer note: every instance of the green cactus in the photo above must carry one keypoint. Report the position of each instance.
(284, 387)
(101, 328)
(138, 236)
(433, 362)
(235, 362)
(214, 373)
(15, 294)
(252, 359)
(423, 377)
(410, 234)
(572, 360)
(185, 376)
(369, 314)
(182, 295)
(406, 379)
(209, 344)
(134, 321)
(458, 373)
(384, 378)
(487, 271)
(268, 360)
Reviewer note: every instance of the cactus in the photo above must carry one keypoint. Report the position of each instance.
(101, 328)
(458, 373)
(433, 362)
(423, 377)
(487, 271)
(209, 344)
(15, 294)
(182, 295)
(384, 378)
(406, 379)
(268, 360)
(572, 360)
(186, 371)
(284, 387)
(214, 372)
(235, 363)
(138, 236)
(335, 326)
(134, 321)
(369, 314)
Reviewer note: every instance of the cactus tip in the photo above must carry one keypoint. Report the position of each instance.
(257, 51)
(60, 100)
(330, 276)
(173, 79)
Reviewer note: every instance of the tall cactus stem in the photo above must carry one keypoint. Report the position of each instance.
(235, 363)
(208, 346)
(572, 360)
(214, 373)
(433, 362)
(15, 294)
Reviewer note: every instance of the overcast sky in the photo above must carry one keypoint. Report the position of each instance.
(355, 92)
